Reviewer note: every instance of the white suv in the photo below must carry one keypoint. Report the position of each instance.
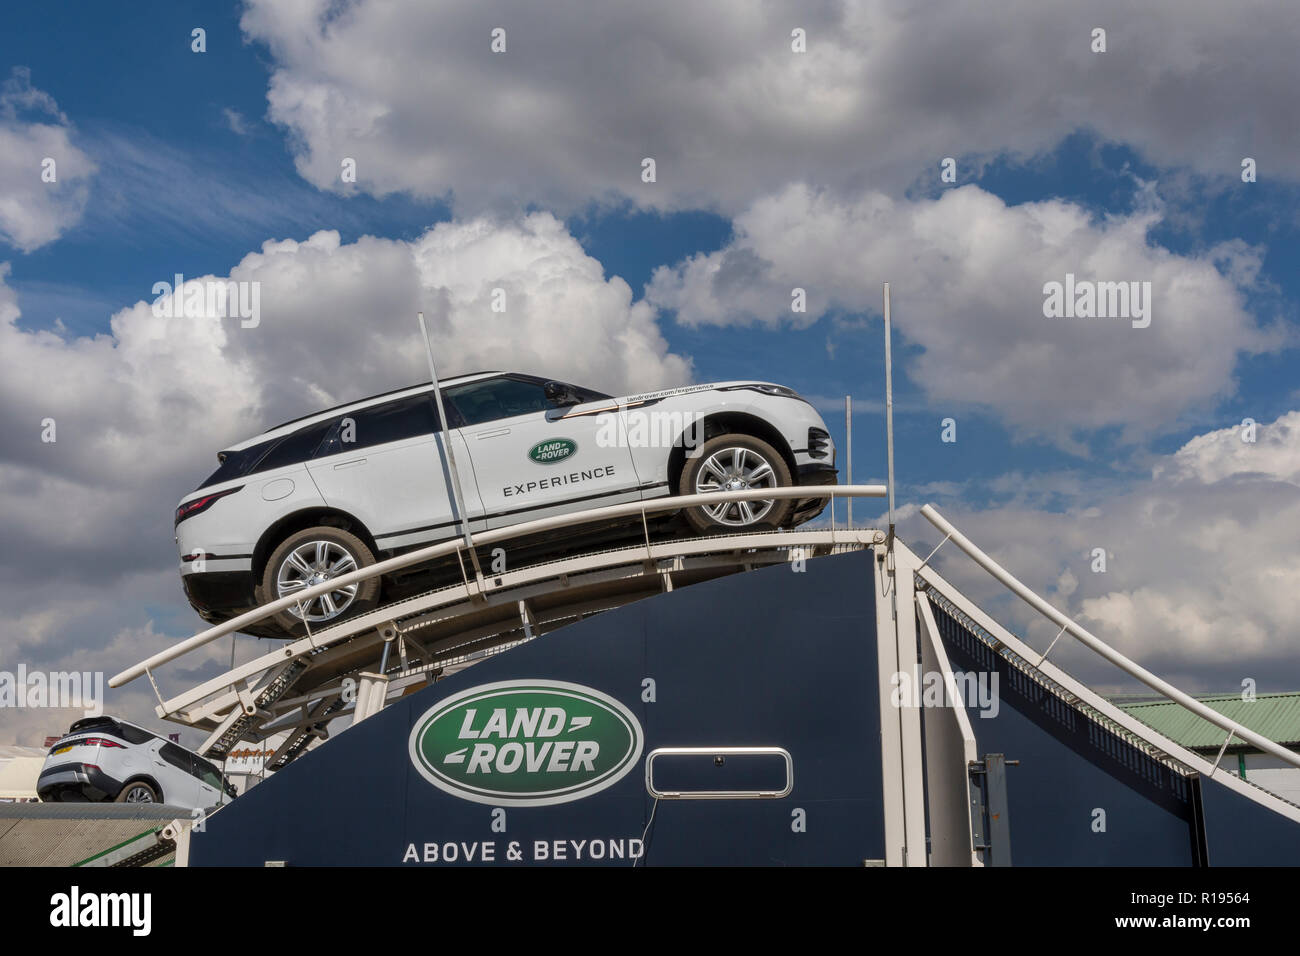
(103, 758)
(322, 495)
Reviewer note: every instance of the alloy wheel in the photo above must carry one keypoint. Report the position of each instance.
(312, 563)
(735, 469)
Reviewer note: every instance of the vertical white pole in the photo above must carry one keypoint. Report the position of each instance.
(889, 412)
(848, 450)
(447, 442)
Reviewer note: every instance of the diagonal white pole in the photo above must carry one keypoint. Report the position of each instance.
(446, 441)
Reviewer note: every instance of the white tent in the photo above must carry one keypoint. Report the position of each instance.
(19, 769)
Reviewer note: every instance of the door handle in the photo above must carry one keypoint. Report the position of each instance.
(349, 464)
(497, 433)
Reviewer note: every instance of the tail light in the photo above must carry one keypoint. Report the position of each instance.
(63, 745)
(818, 441)
(199, 505)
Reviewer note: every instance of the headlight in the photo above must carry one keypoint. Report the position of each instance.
(780, 391)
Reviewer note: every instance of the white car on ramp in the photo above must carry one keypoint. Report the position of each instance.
(107, 759)
(323, 495)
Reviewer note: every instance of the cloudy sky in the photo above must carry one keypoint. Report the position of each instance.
(820, 168)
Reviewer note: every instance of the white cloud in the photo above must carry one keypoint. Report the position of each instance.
(235, 121)
(714, 93)
(141, 411)
(1201, 564)
(1273, 454)
(967, 274)
(34, 212)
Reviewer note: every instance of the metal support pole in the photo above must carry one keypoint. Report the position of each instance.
(889, 413)
(848, 452)
(447, 443)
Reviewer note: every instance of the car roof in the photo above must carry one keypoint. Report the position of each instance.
(277, 431)
(145, 730)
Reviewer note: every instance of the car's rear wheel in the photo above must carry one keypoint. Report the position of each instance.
(735, 462)
(314, 556)
(137, 791)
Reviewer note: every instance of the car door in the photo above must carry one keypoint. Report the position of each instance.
(533, 459)
(387, 466)
(179, 785)
(209, 781)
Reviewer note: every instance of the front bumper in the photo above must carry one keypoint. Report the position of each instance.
(812, 475)
(76, 781)
(817, 473)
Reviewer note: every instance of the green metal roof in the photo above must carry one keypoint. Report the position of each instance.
(1275, 716)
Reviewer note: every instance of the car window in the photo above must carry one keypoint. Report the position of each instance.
(584, 394)
(114, 728)
(177, 757)
(106, 724)
(295, 448)
(237, 464)
(391, 421)
(208, 773)
(495, 398)
(134, 735)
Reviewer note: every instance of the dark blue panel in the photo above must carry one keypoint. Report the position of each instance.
(1070, 768)
(1240, 832)
(766, 658)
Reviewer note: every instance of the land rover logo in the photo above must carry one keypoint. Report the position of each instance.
(552, 450)
(526, 743)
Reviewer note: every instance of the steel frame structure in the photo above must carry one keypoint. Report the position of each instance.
(351, 668)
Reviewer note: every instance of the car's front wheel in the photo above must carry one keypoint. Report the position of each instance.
(314, 556)
(138, 792)
(735, 462)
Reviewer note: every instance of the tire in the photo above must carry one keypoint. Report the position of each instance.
(138, 791)
(301, 559)
(734, 460)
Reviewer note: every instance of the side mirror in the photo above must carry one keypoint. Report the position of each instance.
(560, 394)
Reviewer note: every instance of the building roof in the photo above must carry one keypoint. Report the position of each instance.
(1275, 716)
(8, 751)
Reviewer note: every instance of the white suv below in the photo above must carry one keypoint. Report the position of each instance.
(103, 759)
(323, 495)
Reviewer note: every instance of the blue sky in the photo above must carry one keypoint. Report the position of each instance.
(157, 127)
(201, 158)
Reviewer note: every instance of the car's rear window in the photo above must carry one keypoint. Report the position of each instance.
(293, 449)
(236, 464)
(114, 728)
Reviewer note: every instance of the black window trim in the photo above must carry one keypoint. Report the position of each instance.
(264, 450)
(587, 394)
(379, 407)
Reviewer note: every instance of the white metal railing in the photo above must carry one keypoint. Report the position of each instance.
(1067, 625)
(457, 545)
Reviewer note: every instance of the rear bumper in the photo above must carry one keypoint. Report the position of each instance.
(219, 593)
(76, 781)
(218, 596)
